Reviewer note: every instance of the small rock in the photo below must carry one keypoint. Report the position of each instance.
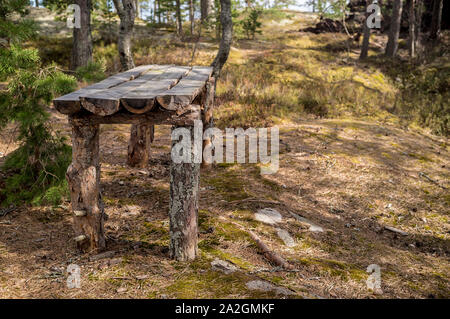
(286, 237)
(121, 183)
(223, 266)
(312, 227)
(267, 286)
(121, 290)
(268, 216)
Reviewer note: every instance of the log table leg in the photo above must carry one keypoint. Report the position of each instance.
(183, 209)
(141, 137)
(207, 112)
(83, 176)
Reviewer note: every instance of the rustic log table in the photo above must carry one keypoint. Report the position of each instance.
(146, 95)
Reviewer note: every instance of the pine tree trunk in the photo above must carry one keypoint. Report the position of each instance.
(227, 37)
(191, 15)
(138, 9)
(412, 32)
(366, 36)
(418, 28)
(205, 9)
(392, 44)
(179, 21)
(436, 19)
(127, 11)
(82, 40)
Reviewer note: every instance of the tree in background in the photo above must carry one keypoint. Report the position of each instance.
(205, 9)
(82, 38)
(127, 12)
(366, 35)
(227, 37)
(436, 19)
(37, 168)
(412, 31)
(394, 31)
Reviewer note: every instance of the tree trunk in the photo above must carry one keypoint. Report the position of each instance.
(141, 137)
(179, 21)
(392, 44)
(436, 19)
(82, 40)
(138, 8)
(159, 12)
(191, 15)
(418, 28)
(366, 36)
(183, 210)
(127, 11)
(205, 9)
(412, 32)
(227, 36)
(83, 177)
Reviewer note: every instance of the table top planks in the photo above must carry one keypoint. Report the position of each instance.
(138, 90)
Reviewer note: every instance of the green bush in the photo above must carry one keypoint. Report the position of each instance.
(93, 72)
(251, 25)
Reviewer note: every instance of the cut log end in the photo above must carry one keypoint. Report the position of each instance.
(138, 106)
(100, 107)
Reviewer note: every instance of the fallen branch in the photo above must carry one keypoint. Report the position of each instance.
(267, 253)
(422, 174)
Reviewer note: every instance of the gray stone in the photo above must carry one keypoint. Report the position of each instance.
(223, 266)
(286, 237)
(268, 216)
(312, 227)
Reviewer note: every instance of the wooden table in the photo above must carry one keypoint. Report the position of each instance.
(146, 95)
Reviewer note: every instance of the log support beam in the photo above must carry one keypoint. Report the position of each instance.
(183, 207)
(83, 176)
(141, 137)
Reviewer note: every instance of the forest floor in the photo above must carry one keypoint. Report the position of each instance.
(352, 175)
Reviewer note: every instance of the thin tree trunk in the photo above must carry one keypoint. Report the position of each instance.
(392, 44)
(127, 11)
(205, 9)
(412, 32)
(418, 28)
(191, 15)
(366, 36)
(227, 37)
(138, 9)
(437, 19)
(179, 21)
(159, 12)
(82, 39)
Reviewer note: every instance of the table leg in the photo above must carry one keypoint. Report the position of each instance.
(83, 176)
(183, 207)
(141, 137)
(207, 112)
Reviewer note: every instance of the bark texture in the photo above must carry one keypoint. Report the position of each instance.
(366, 35)
(141, 137)
(227, 37)
(83, 176)
(183, 209)
(179, 21)
(392, 44)
(126, 10)
(436, 19)
(205, 9)
(82, 39)
(207, 111)
(412, 32)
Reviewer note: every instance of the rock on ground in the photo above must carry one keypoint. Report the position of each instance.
(268, 216)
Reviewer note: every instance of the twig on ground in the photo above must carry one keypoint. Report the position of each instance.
(422, 174)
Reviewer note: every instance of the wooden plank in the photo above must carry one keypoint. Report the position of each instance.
(186, 90)
(107, 101)
(70, 103)
(142, 98)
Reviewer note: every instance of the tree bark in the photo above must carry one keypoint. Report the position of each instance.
(366, 36)
(83, 176)
(127, 12)
(138, 8)
(227, 37)
(179, 21)
(412, 32)
(205, 9)
(82, 39)
(207, 112)
(183, 210)
(191, 15)
(392, 44)
(436, 20)
(141, 137)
